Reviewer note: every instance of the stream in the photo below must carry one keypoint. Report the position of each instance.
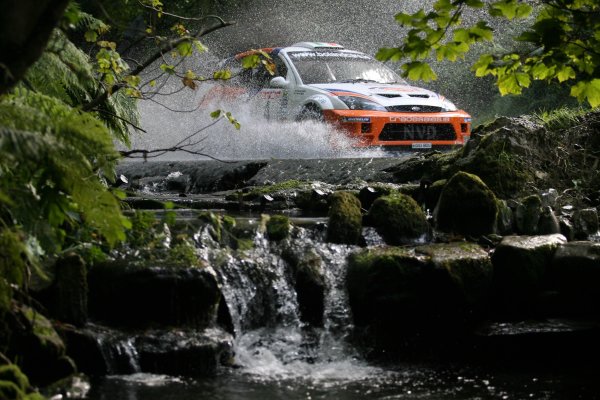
(278, 356)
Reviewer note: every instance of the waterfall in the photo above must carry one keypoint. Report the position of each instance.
(272, 342)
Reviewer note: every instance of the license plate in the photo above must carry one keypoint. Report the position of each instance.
(421, 145)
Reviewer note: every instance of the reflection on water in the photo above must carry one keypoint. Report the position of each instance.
(408, 382)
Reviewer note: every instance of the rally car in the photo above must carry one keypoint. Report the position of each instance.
(364, 98)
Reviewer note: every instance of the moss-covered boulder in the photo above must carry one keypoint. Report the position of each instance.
(278, 227)
(400, 294)
(398, 219)
(466, 206)
(527, 215)
(522, 272)
(368, 194)
(576, 267)
(345, 219)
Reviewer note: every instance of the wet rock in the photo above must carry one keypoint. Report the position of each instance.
(278, 227)
(585, 223)
(466, 206)
(402, 293)
(309, 282)
(577, 274)
(184, 352)
(505, 218)
(368, 194)
(99, 350)
(398, 219)
(527, 215)
(549, 198)
(432, 193)
(566, 228)
(548, 223)
(147, 296)
(521, 271)
(177, 182)
(345, 219)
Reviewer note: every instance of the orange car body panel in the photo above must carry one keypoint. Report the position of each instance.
(380, 128)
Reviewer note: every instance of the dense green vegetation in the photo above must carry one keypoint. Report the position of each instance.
(560, 44)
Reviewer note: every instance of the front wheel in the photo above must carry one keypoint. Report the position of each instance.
(311, 113)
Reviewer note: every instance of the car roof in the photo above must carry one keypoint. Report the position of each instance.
(300, 46)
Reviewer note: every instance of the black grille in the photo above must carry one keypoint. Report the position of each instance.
(417, 132)
(414, 108)
(423, 96)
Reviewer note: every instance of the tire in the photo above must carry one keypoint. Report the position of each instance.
(311, 112)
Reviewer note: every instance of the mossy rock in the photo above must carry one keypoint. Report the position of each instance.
(398, 218)
(466, 206)
(10, 391)
(368, 194)
(498, 159)
(278, 227)
(522, 271)
(527, 215)
(345, 219)
(401, 293)
(504, 219)
(585, 223)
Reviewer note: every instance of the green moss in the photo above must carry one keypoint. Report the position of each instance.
(258, 191)
(466, 206)
(13, 374)
(278, 227)
(398, 218)
(345, 219)
(184, 254)
(496, 164)
(142, 230)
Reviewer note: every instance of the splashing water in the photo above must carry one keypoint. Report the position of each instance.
(169, 120)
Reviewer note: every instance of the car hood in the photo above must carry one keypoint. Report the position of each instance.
(383, 93)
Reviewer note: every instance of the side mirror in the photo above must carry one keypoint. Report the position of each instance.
(279, 82)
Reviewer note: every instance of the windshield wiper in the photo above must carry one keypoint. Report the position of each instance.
(358, 81)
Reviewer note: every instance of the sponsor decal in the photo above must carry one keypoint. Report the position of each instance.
(356, 119)
(298, 55)
(419, 119)
(270, 93)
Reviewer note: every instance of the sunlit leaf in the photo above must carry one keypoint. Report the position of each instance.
(587, 91)
(417, 70)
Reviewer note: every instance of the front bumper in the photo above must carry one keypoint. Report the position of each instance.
(413, 130)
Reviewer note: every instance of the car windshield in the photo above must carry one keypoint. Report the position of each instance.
(325, 67)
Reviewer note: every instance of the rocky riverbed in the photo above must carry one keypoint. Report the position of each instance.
(484, 254)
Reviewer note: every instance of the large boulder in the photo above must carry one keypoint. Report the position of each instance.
(522, 272)
(398, 219)
(577, 275)
(466, 206)
(345, 219)
(400, 294)
(150, 296)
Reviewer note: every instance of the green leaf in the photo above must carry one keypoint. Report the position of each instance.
(417, 70)
(185, 49)
(587, 90)
(169, 69)
(482, 66)
(90, 36)
(566, 73)
(251, 61)
(389, 54)
(223, 74)
(215, 114)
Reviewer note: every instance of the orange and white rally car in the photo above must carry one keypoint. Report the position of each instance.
(351, 90)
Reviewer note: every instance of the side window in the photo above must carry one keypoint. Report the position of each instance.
(280, 67)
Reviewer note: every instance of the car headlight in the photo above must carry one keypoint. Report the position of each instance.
(447, 105)
(358, 103)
